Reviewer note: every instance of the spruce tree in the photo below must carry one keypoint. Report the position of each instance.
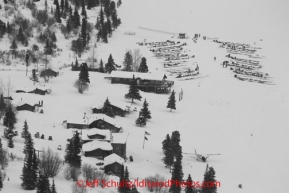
(107, 109)
(43, 185)
(2, 105)
(101, 69)
(53, 189)
(48, 48)
(143, 65)
(13, 47)
(172, 102)
(175, 145)
(168, 160)
(25, 129)
(189, 185)
(1, 156)
(114, 20)
(134, 189)
(10, 142)
(10, 117)
(83, 32)
(83, 12)
(5, 1)
(35, 167)
(1, 181)
(109, 66)
(101, 17)
(144, 112)
(73, 149)
(121, 181)
(209, 181)
(20, 36)
(90, 4)
(177, 177)
(108, 27)
(128, 62)
(104, 33)
(62, 6)
(66, 5)
(126, 181)
(133, 93)
(34, 76)
(141, 121)
(76, 19)
(83, 74)
(28, 171)
(76, 66)
(57, 12)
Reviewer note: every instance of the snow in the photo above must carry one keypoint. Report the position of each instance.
(112, 158)
(93, 131)
(119, 138)
(96, 144)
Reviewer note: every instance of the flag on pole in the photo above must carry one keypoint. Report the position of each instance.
(146, 138)
(146, 133)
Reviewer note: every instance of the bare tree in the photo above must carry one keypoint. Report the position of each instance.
(50, 163)
(88, 172)
(45, 74)
(81, 86)
(71, 172)
(4, 159)
(78, 188)
(136, 56)
(93, 55)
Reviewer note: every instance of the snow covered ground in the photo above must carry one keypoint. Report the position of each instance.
(245, 122)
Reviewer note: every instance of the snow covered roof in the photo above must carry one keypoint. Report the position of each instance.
(114, 102)
(19, 101)
(29, 89)
(112, 158)
(89, 119)
(119, 138)
(144, 76)
(96, 144)
(95, 131)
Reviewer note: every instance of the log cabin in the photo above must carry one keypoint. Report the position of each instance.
(113, 164)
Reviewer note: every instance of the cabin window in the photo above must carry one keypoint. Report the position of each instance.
(116, 79)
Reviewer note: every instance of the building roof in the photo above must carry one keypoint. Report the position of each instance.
(119, 138)
(29, 89)
(112, 158)
(96, 144)
(94, 131)
(115, 102)
(91, 118)
(144, 76)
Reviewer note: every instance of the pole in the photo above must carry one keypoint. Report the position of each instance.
(144, 140)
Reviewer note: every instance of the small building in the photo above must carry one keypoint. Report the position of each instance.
(113, 164)
(182, 36)
(8, 98)
(94, 133)
(49, 72)
(42, 90)
(146, 82)
(97, 149)
(27, 106)
(99, 121)
(118, 142)
(117, 110)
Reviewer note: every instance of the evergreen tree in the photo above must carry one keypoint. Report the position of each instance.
(57, 12)
(126, 181)
(109, 66)
(10, 142)
(83, 32)
(104, 33)
(2, 105)
(1, 181)
(28, 172)
(101, 69)
(34, 76)
(35, 167)
(175, 145)
(43, 185)
(13, 47)
(112, 7)
(101, 17)
(144, 112)
(83, 12)
(108, 27)
(73, 149)
(10, 117)
(107, 109)
(25, 129)
(76, 19)
(189, 185)
(133, 91)
(121, 181)
(8, 28)
(134, 189)
(20, 36)
(53, 189)
(66, 5)
(5, 1)
(172, 101)
(128, 61)
(168, 160)
(209, 181)
(76, 66)
(90, 4)
(48, 48)
(62, 6)
(143, 65)
(83, 75)
(141, 121)
(177, 176)
(114, 19)
(53, 37)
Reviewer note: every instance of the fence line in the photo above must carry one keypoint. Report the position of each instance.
(160, 31)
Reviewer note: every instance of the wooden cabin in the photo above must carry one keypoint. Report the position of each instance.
(117, 110)
(95, 134)
(26, 107)
(182, 36)
(36, 90)
(146, 82)
(97, 149)
(48, 72)
(118, 142)
(113, 164)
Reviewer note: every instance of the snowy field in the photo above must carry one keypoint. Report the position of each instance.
(245, 122)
